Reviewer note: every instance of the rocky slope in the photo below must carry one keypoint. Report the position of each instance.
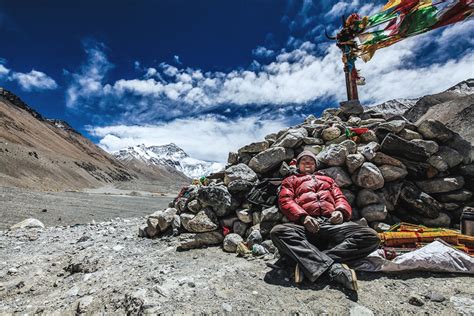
(48, 154)
(169, 157)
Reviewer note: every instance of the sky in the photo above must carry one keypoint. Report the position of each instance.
(209, 76)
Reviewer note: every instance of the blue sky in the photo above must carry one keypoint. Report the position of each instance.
(209, 76)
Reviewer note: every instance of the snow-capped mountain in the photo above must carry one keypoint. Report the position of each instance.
(395, 106)
(169, 156)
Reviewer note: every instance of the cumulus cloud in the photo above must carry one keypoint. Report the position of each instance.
(4, 71)
(88, 81)
(261, 51)
(34, 80)
(208, 137)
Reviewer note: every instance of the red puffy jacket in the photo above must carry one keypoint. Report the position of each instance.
(314, 195)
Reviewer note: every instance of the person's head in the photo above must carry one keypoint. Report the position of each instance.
(307, 162)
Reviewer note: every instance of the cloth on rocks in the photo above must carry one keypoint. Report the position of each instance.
(332, 243)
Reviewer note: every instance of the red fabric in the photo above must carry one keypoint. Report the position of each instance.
(314, 195)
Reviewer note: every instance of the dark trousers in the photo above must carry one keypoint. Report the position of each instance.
(315, 253)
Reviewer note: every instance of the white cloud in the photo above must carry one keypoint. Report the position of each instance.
(88, 82)
(34, 80)
(208, 137)
(261, 51)
(4, 71)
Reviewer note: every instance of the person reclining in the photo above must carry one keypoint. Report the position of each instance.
(320, 237)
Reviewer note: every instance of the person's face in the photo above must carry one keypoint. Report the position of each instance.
(307, 165)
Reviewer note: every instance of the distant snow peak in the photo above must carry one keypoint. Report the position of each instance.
(169, 155)
(465, 87)
(395, 106)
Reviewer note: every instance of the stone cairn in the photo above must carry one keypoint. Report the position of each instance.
(397, 171)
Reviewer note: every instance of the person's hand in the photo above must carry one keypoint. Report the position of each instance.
(311, 224)
(336, 217)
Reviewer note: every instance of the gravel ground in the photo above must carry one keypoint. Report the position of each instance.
(69, 208)
(106, 268)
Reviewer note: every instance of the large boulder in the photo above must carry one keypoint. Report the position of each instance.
(392, 173)
(354, 161)
(429, 146)
(341, 177)
(420, 202)
(451, 156)
(333, 155)
(435, 130)
(366, 197)
(204, 221)
(198, 240)
(164, 218)
(217, 197)
(443, 220)
(396, 146)
(270, 158)
(351, 107)
(254, 148)
(395, 126)
(374, 212)
(292, 138)
(441, 185)
(239, 172)
(330, 133)
(368, 176)
(382, 159)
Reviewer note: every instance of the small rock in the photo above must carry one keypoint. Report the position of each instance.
(226, 307)
(84, 303)
(416, 300)
(435, 297)
(244, 215)
(28, 223)
(354, 161)
(231, 241)
(330, 133)
(255, 237)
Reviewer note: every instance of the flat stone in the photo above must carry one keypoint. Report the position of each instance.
(233, 158)
(338, 174)
(270, 158)
(438, 162)
(441, 185)
(408, 134)
(455, 196)
(312, 141)
(395, 126)
(443, 220)
(383, 159)
(392, 173)
(198, 240)
(354, 121)
(396, 146)
(368, 176)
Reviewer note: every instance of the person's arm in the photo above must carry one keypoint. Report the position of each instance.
(340, 202)
(288, 205)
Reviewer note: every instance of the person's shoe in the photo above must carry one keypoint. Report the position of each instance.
(299, 277)
(281, 263)
(343, 275)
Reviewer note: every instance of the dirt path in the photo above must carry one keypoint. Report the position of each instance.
(106, 268)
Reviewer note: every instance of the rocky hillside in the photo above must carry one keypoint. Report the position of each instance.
(169, 157)
(392, 171)
(39, 153)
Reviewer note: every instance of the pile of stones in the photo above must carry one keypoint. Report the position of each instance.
(396, 171)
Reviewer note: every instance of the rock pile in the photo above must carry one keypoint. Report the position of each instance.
(395, 171)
